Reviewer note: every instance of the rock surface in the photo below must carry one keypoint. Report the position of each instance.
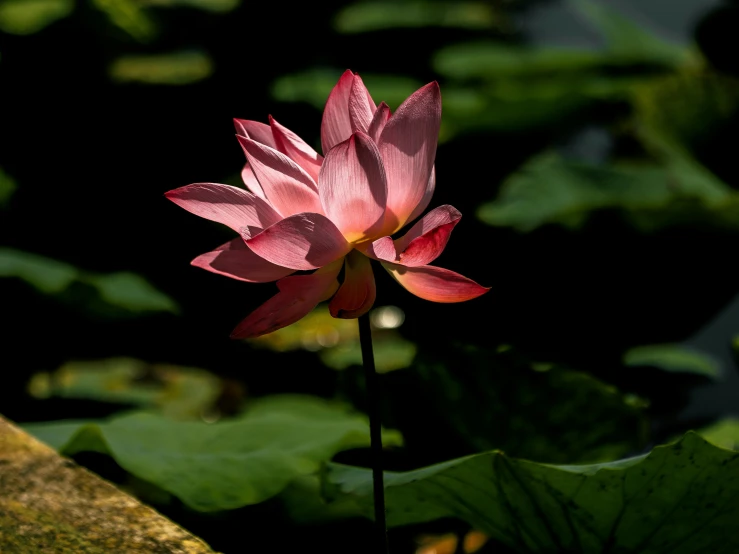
(50, 505)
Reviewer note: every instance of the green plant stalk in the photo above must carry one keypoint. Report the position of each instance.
(373, 398)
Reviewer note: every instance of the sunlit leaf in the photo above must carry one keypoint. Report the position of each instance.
(723, 433)
(122, 291)
(337, 340)
(130, 16)
(679, 498)
(314, 85)
(175, 391)
(218, 6)
(223, 465)
(7, 187)
(372, 16)
(24, 17)
(391, 352)
(674, 358)
(177, 68)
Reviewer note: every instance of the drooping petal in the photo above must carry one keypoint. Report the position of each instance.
(408, 148)
(435, 283)
(256, 131)
(301, 241)
(357, 293)
(234, 259)
(426, 199)
(225, 204)
(286, 185)
(298, 295)
(361, 106)
(247, 175)
(335, 125)
(382, 114)
(296, 149)
(427, 239)
(353, 188)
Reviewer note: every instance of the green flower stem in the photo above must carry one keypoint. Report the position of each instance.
(373, 396)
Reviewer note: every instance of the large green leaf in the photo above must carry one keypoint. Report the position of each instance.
(681, 499)
(724, 433)
(223, 465)
(468, 400)
(112, 293)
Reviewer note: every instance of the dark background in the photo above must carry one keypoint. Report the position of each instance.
(92, 157)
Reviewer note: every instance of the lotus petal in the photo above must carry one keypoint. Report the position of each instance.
(435, 283)
(301, 241)
(234, 259)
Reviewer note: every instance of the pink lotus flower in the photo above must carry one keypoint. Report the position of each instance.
(304, 212)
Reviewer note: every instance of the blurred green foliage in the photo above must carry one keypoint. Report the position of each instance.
(177, 68)
(673, 358)
(174, 391)
(7, 188)
(372, 16)
(337, 340)
(25, 17)
(113, 294)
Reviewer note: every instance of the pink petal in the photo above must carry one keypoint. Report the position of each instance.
(427, 239)
(352, 187)
(256, 131)
(426, 197)
(435, 283)
(382, 249)
(301, 241)
(408, 148)
(382, 114)
(357, 293)
(286, 186)
(336, 126)
(361, 106)
(225, 204)
(247, 175)
(296, 149)
(298, 295)
(235, 260)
